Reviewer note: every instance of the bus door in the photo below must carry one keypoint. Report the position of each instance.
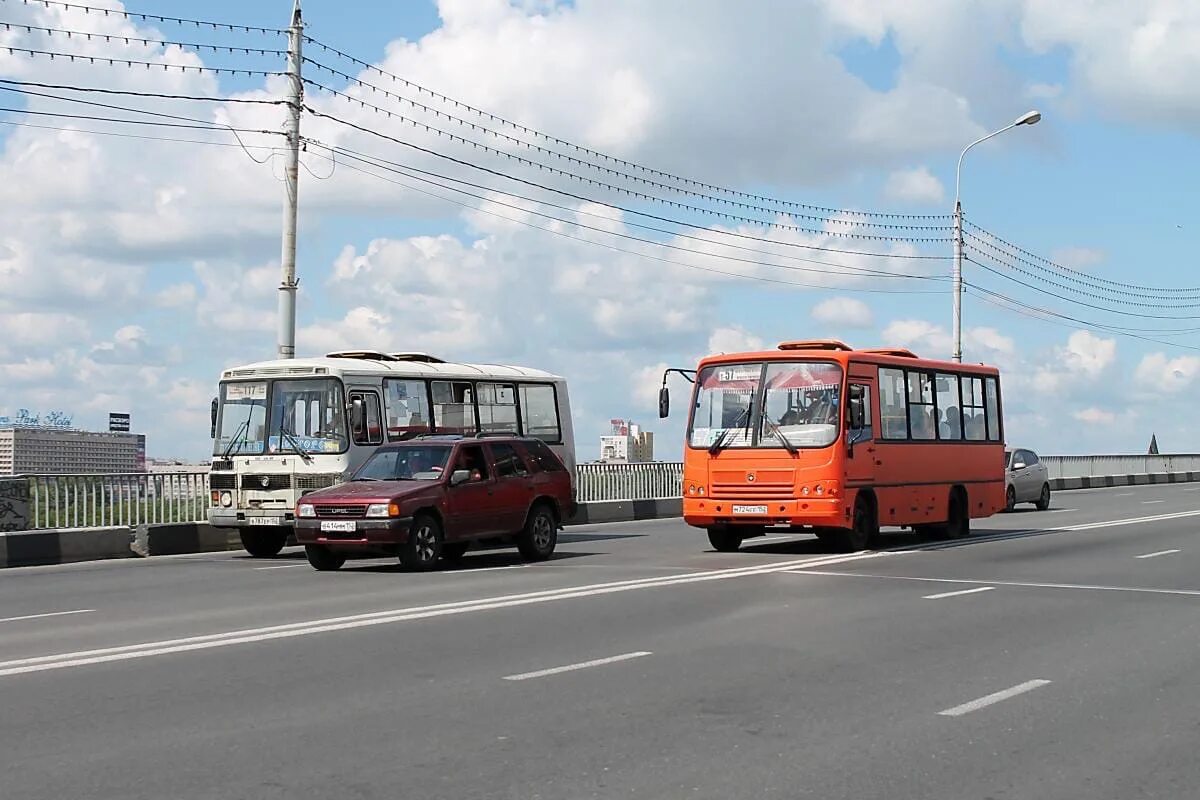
(860, 432)
(366, 423)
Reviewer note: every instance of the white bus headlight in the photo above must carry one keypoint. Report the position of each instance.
(226, 499)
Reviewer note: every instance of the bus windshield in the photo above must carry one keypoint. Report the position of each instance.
(770, 405)
(307, 416)
(242, 424)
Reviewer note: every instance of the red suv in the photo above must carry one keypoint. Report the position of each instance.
(430, 497)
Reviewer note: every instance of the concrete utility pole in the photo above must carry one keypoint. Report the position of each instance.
(1029, 118)
(291, 180)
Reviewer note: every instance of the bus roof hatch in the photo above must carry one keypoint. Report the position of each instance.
(815, 344)
(899, 352)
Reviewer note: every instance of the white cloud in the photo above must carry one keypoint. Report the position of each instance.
(1158, 373)
(1088, 354)
(845, 312)
(1095, 416)
(917, 185)
(733, 339)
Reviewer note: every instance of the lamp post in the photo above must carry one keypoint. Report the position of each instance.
(1029, 118)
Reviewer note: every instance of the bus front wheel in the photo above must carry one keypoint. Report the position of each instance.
(724, 540)
(262, 542)
(865, 530)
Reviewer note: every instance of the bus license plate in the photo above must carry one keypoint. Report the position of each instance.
(265, 520)
(761, 510)
(338, 526)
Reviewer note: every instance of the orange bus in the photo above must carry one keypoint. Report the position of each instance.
(818, 437)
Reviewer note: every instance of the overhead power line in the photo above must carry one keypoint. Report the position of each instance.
(122, 135)
(1016, 252)
(129, 40)
(859, 223)
(132, 93)
(639, 254)
(112, 12)
(1040, 290)
(640, 195)
(841, 269)
(1120, 300)
(416, 174)
(149, 65)
(708, 187)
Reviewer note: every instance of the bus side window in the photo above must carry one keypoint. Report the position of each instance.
(893, 404)
(371, 431)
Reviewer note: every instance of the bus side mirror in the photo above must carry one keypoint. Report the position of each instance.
(357, 415)
(857, 408)
(664, 402)
(212, 434)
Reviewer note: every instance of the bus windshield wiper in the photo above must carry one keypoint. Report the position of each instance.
(719, 444)
(294, 442)
(779, 434)
(238, 434)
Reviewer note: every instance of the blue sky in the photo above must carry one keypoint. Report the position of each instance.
(130, 274)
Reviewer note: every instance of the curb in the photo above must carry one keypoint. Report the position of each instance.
(1110, 481)
(178, 538)
(626, 511)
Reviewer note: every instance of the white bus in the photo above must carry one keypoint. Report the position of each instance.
(282, 429)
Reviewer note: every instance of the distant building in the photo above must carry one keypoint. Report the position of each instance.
(627, 444)
(34, 450)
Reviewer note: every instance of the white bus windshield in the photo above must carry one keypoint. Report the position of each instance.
(307, 416)
(242, 424)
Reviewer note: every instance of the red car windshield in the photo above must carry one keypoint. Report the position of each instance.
(408, 463)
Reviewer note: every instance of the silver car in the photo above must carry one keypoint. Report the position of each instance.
(1027, 479)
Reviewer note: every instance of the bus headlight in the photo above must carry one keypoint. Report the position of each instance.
(226, 499)
(695, 491)
(306, 510)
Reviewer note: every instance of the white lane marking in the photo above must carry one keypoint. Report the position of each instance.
(1152, 502)
(470, 570)
(281, 566)
(1158, 553)
(1113, 523)
(599, 662)
(1130, 494)
(1023, 584)
(1062, 510)
(310, 627)
(1193, 489)
(992, 699)
(958, 593)
(50, 614)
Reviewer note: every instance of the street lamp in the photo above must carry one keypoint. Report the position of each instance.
(1028, 118)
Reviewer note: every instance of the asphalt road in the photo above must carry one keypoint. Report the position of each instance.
(1052, 655)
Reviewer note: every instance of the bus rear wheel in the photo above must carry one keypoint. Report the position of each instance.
(262, 542)
(958, 526)
(724, 540)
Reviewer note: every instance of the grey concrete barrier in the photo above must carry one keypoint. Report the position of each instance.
(1110, 481)
(170, 539)
(63, 546)
(626, 511)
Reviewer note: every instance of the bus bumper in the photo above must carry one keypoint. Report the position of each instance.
(234, 518)
(707, 512)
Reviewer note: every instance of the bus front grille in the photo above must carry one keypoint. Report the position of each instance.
(741, 491)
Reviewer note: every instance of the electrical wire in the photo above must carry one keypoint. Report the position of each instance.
(1079, 291)
(199, 23)
(408, 171)
(112, 62)
(572, 159)
(626, 210)
(1081, 275)
(111, 37)
(1036, 288)
(132, 93)
(494, 118)
(121, 135)
(614, 248)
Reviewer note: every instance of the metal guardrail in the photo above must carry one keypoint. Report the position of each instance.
(86, 501)
(653, 480)
(95, 501)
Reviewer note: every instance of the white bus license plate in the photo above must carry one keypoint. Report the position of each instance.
(761, 510)
(265, 520)
(338, 526)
